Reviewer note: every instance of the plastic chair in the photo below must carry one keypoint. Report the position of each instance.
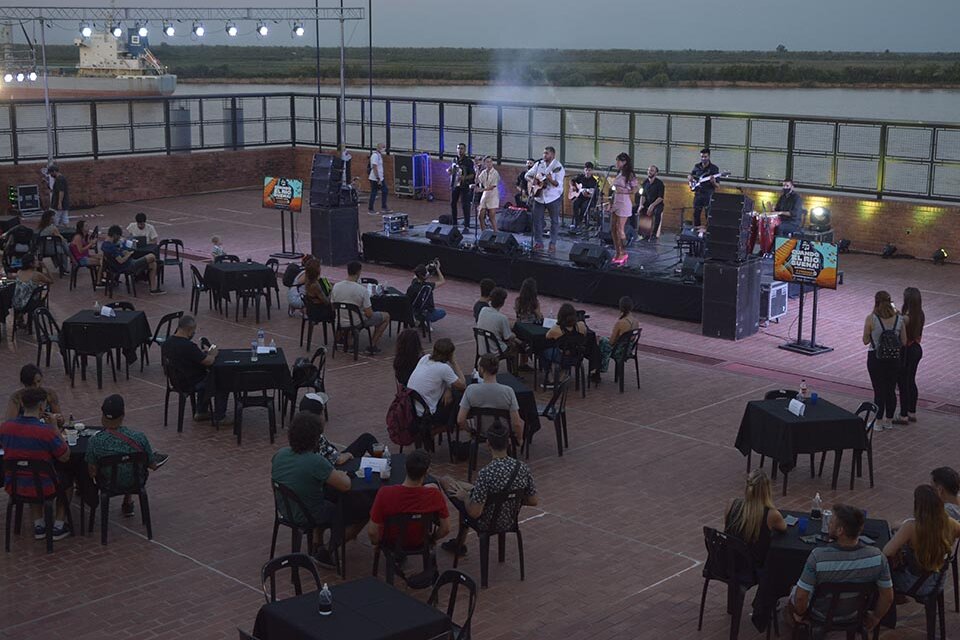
(75, 268)
(164, 248)
(862, 594)
(455, 579)
(933, 602)
(728, 561)
(250, 293)
(350, 328)
(496, 503)
(419, 311)
(867, 411)
(399, 548)
(160, 335)
(284, 500)
(556, 411)
(52, 247)
(183, 393)
(426, 426)
(314, 314)
(199, 287)
(34, 469)
(274, 264)
(38, 298)
(121, 306)
(310, 376)
(47, 332)
(108, 485)
(628, 342)
(491, 344)
(248, 382)
(477, 434)
(572, 347)
(294, 561)
(114, 270)
(79, 359)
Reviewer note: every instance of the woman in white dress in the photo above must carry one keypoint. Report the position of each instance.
(488, 182)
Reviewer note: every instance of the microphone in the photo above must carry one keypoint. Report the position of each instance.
(611, 167)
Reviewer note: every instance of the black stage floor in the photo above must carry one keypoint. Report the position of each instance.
(650, 276)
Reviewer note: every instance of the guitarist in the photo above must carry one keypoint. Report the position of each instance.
(522, 196)
(462, 175)
(546, 187)
(582, 191)
(651, 205)
(703, 193)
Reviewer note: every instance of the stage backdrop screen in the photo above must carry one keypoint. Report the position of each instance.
(805, 262)
(285, 194)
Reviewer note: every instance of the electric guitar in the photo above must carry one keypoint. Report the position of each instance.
(695, 184)
(538, 184)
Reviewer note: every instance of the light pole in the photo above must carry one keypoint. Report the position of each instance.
(46, 91)
(343, 85)
(370, 66)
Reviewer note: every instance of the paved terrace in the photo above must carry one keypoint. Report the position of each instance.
(615, 548)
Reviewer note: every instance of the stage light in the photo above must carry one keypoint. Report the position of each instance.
(820, 219)
(940, 256)
(33, 76)
(142, 30)
(198, 29)
(889, 250)
(86, 29)
(8, 77)
(116, 30)
(844, 245)
(297, 29)
(169, 30)
(262, 29)
(231, 29)
(20, 77)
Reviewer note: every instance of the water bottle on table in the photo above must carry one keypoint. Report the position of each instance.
(261, 336)
(816, 507)
(325, 601)
(253, 351)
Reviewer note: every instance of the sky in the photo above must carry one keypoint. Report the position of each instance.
(837, 25)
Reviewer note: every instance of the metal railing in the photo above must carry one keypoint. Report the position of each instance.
(878, 158)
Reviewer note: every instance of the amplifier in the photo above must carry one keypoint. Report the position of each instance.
(773, 300)
(395, 222)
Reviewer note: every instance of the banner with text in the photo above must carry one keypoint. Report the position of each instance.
(285, 194)
(805, 262)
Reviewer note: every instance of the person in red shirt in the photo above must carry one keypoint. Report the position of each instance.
(410, 497)
(27, 437)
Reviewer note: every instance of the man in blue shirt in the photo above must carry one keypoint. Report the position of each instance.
(114, 249)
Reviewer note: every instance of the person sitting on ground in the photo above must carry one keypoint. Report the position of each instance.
(113, 248)
(612, 348)
(753, 518)
(846, 561)
(27, 437)
(429, 311)
(307, 473)
(500, 475)
(435, 378)
(567, 324)
(492, 319)
(28, 278)
(217, 251)
(352, 292)
(486, 287)
(190, 365)
(31, 377)
(116, 439)
(413, 496)
(490, 394)
(80, 246)
(140, 228)
(407, 356)
(946, 482)
(921, 543)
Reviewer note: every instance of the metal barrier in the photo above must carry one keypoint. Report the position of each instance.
(878, 158)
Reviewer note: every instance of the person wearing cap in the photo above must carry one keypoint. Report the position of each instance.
(59, 196)
(115, 439)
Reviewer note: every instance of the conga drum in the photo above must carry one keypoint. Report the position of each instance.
(768, 232)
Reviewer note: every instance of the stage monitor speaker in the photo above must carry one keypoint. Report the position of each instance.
(692, 269)
(334, 233)
(588, 255)
(498, 242)
(444, 234)
(731, 299)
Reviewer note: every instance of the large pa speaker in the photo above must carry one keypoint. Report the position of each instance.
(729, 242)
(326, 178)
(731, 299)
(729, 206)
(498, 242)
(594, 256)
(444, 234)
(333, 234)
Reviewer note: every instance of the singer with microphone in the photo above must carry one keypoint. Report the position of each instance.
(546, 186)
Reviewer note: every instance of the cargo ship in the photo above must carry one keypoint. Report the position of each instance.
(109, 67)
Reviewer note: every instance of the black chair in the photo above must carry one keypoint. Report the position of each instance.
(400, 548)
(294, 561)
(485, 527)
(184, 393)
(38, 298)
(728, 561)
(628, 343)
(53, 247)
(491, 344)
(284, 501)
(419, 310)
(114, 271)
(477, 434)
(160, 335)
(75, 268)
(956, 582)
(121, 306)
(47, 333)
(108, 486)
(250, 294)
(455, 579)
(426, 426)
(33, 469)
(933, 602)
(80, 355)
(862, 595)
(243, 635)
(244, 397)
(556, 411)
(165, 248)
(314, 314)
(305, 376)
(867, 411)
(199, 287)
(274, 264)
(349, 324)
(573, 351)
(373, 281)
(776, 394)
(227, 258)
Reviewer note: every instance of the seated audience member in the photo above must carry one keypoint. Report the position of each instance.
(486, 287)
(113, 248)
(217, 250)
(492, 319)
(946, 481)
(567, 324)
(921, 542)
(435, 378)
(140, 228)
(28, 278)
(527, 304)
(337, 455)
(27, 437)
(490, 394)
(47, 227)
(116, 439)
(80, 246)
(307, 473)
(500, 475)
(413, 496)
(420, 274)
(624, 324)
(352, 292)
(315, 290)
(845, 561)
(753, 518)
(408, 354)
(190, 365)
(31, 377)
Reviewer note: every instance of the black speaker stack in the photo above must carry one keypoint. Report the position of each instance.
(728, 229)
(326, 178)
(589, 255)
(501, 242)
(334, 228)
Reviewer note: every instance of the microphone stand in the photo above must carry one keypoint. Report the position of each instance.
(599, 202)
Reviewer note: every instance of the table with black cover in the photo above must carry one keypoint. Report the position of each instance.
(223, 277)
(365, 609)
(525, 399)
(231, 362)
(771, 430)
(396, 303)
(536, 336)
(145, 250)
(359, 500)
(76, 465)
(90, 332)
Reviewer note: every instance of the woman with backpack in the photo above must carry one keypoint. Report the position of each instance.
(913, 320)
(884, 333)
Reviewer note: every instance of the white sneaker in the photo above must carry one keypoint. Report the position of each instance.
(878, 426)
(888, 425)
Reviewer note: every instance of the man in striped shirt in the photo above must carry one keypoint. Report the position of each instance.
(845, 561)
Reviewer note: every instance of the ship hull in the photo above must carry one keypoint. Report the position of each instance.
(79, 87)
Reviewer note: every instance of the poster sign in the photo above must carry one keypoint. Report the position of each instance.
(805, 262)
(285, 194)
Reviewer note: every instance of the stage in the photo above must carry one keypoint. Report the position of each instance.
(651, 276)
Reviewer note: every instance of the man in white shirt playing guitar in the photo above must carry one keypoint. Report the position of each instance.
(546, 187)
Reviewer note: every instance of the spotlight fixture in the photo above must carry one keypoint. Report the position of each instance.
(297, 29)
(86, 29)
(889, 250)
(940, 256)
(198, 29)
(168, 29)
(820, 219)
(142, 30)
(231, 29)
(844, 245)
(20, 77)
(116, 30)
(262, 29)
(8, 77)
(33, 78)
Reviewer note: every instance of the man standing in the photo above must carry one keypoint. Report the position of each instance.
(378, 180)
(547, 183)
(704, 191)
(651, 202)
(59, 196)
(190, 364)
(584, 187)
(113, 248)
(522, 196)
(790, 208)
(462, 175)
(352, 292)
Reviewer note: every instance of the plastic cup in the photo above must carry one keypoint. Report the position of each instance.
(368, 473)
(378, 450)
(802, 524)
(814, 397)
(72, 439)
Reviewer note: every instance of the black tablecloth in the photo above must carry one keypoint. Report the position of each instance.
(6, 299)
(525, 398)
(396, 303)
(224, 277)
(536, 336)
(90, 332)
(146, 250)
(365, 609)
(230, 362)
(76, 465)
(770, 429)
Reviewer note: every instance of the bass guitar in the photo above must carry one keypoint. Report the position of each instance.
(695, 184)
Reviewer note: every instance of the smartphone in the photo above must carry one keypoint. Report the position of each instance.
(791, 520)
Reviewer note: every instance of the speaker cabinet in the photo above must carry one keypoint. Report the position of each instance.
(773, 300)
(587, 255)
(444, 234)
(326, 177)
(333, 234)
(731, 299)
(498, 242)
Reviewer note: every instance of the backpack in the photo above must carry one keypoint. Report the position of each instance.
(290, 274)
(888, 347)
(401, 418)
